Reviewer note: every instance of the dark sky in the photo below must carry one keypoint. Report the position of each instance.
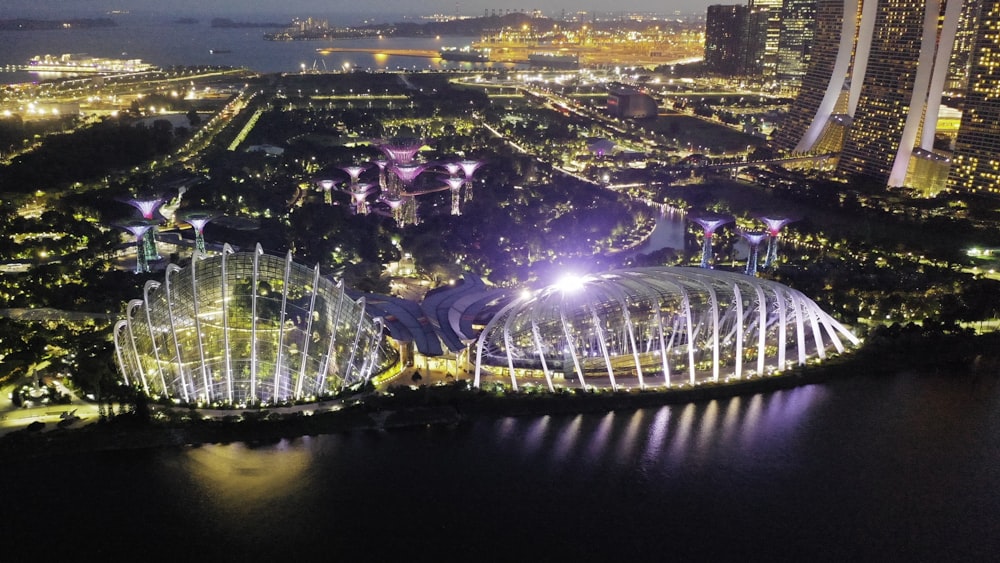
(50, 8)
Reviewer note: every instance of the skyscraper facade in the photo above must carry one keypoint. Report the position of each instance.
(976, 163)
(797, 29)
(885, 66)
(725, 31)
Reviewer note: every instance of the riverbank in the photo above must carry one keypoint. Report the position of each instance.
(889, 351)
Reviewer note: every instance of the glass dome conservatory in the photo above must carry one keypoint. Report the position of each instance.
(654, 327)
(243, 328)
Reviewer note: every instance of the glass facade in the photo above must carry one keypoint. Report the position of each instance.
(654, 327)
(247, 328)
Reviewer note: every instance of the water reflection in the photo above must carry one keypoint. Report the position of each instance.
(676, 435)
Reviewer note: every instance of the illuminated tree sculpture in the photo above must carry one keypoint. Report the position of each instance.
(382, 165)
(710, 222)
(753, 240)
(406, 174)
(147, 206)
(139, 228)
(359, 196)
(198, 219)
(774, 226)
(354, 172)
(401, 150)
(327, 186)
(469, 168)
(455, 185)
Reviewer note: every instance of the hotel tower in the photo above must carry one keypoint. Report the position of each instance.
(874, 88)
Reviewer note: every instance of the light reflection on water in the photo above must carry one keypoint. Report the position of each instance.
(871, 469)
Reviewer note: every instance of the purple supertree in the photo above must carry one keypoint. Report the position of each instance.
(401, 149)
(198, 218)
(359, 194)
(407, 173)
(395, 203)
(147, 206)
(753, 239)
(382, 165)
(709, 222)
(453, 168)
(455, 185)
(469, 168)
(327, 186)
(774, 226)
(139, 228)
(354, 172)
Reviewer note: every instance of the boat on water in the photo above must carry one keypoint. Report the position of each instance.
(82, 64)
(219, 51)
(466, 54)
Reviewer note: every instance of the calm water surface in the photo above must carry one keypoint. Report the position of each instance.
(163, 43)
(897, 469)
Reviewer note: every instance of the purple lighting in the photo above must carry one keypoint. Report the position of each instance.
(774, 226)
(469, 167)
(401, 150)
(354, 172)
(359, 193)
(453, 168)
(146, 206)
(407, 173)
(754, 240)
(455, 185)
(709, 222)
(198, 219)
(138, 228)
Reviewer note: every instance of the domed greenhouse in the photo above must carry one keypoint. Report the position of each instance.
(242, 328)
(654, 327)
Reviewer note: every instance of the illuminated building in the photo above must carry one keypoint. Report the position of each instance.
(976, 163)
(724, 38)
(630, 103)
(763, 34)
(797, 29)
(879, 69)
(246, 328)
(653, 327)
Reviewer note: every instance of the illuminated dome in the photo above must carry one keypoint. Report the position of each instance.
(654, 327)
(247, 328)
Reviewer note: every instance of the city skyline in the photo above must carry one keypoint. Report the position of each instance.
(51, 8)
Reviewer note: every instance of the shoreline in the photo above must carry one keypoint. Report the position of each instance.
(405, 408)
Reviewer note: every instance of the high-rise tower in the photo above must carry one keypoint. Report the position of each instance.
(886, 65)
(976, 163)
(725, 30)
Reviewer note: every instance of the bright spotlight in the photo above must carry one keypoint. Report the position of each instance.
(570, 283)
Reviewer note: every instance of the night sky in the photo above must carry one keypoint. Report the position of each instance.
(55, 8)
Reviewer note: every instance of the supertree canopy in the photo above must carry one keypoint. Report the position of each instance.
(247, 328)
(139, 228)
(710, 222)
(401, 150)
(774, 225)
(753, 240)
(198, 219)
